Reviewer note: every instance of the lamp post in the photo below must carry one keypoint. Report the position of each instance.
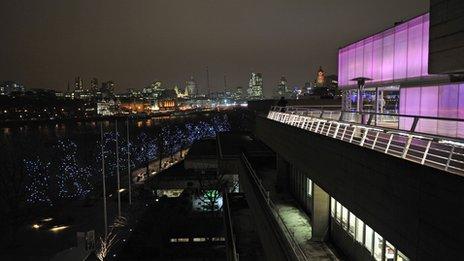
(105, 216)
(361, 81)
(117, 168)
(128, 164)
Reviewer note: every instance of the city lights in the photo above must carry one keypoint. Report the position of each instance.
(57, 229)
(65, 176)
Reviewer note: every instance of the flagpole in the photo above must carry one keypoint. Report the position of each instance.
(105, 216)
(117, 168)
(128, 164)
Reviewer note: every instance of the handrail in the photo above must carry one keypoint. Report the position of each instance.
(436, 151)
(296, 252)
(368, 112)
(232, 254)
(372, 120)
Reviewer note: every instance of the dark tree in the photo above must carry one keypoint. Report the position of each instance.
(13, 208)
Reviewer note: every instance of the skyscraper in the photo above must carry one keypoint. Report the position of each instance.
(282, 88)
(78, 83)
(94, 84)
(255, 87)
(191, 87)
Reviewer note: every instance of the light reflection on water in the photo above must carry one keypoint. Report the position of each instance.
(61, 129)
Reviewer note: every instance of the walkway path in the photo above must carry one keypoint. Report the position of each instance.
(296, 220)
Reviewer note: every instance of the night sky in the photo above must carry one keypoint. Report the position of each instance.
(45, 43)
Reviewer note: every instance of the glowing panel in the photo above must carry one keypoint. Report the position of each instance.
(393, 55)
(444, 101)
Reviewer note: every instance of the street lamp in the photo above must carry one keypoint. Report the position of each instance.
(361, 81)
(117, 167)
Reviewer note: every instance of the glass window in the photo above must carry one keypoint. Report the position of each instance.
(309, 186)
(359, 230)
(401, 257)
(352, 222)
(390, 252)
(332, 207)
(344, 217)
(339, 212)
(368, 238)
(378, 246)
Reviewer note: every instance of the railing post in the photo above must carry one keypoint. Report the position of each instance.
(426, 152)
(388, 144)
(352, 134)
(364, 137)
(369, 120)
(375, 140)
(406, 147)
(344, 131)
(341, 116)
(328, 129)
(336, 130)
(449, 157)
(414, 124)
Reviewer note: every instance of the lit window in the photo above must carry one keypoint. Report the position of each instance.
(332, 207)
(309, 186)
(182, 240)
(218, 239)
(199, 239)
(368, 238)
(344, 217)
(173, 239)
(359, 230)
(339, 212)
(352, 222)
(390, 252)
(401, 257)
(378, 246)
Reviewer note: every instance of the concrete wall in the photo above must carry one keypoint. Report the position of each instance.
(417, 208)
(446, 36)
(273, 248)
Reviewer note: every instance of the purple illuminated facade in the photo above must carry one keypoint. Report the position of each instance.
(444, 101)
(394, 55)
(399, 57)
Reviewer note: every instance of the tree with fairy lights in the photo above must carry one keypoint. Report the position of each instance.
(74, 181)
(38, 182)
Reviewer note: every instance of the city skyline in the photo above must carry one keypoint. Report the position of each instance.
(55, 42)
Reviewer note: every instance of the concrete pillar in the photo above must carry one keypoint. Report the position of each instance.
(283, 173)
(321, 214)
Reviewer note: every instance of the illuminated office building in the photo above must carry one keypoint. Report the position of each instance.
(255, 87)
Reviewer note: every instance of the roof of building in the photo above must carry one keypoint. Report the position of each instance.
(202, 149)
(232, 144)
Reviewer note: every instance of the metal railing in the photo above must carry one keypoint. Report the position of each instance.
(288, 242)
(366, 130)
(232, 254)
